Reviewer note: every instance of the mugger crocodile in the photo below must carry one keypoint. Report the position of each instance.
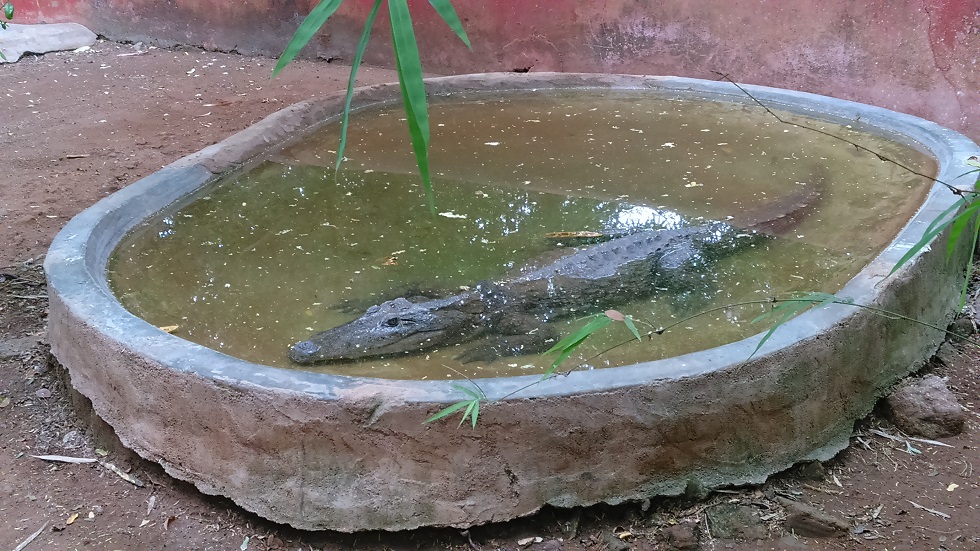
(510, 316)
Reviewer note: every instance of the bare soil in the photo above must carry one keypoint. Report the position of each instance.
(78, 126)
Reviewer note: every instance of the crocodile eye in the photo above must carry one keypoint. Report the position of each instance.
(391, 322)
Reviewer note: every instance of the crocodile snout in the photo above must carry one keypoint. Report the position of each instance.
(304, 352)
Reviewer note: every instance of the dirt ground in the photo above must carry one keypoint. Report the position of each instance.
(78, 126)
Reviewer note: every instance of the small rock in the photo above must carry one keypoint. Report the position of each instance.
(550, 545)
(948, 353)
(15, 347)
(613, 543)
(39, 39)
(961, 328)
(42, 393)
(813, 470)
(695, 490)
(682, 536)
(925, 407)
(732, 521)
(809, 521)
(73, 440)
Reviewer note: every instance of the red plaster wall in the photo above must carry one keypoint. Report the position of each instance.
(916, 56)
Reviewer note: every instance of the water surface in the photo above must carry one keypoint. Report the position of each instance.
(270, 255)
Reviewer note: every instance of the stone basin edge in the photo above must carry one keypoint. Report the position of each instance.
(272, 439)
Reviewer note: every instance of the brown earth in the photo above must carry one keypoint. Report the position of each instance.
(78, 126)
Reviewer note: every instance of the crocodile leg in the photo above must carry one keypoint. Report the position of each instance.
(515, 335)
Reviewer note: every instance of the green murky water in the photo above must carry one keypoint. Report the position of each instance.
(271, 255)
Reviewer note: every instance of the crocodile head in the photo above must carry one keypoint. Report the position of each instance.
(394, 327)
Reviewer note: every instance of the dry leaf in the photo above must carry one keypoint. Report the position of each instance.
(72, 518)
(169, 328)
(125, 476)
(145, 522)
(166, 523)
(4, 402)
(625, 534)
(569, 234)
(952, 487)
(615, 315)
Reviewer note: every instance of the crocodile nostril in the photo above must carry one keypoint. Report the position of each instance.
(303, 350)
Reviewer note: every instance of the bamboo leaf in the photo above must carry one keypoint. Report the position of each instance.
(629, 323)
(476, 412)
(566, 347)
(469, 410)
(448, 411)
(789, 308)
(597, 323)
(786, 316)
(412, 87)
(472, 406)
(936, 227)
(959, 224)
(969, 269)
(471, 393)
(448, 14)
(358, 56)
(306, 30)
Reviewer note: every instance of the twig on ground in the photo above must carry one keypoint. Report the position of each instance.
(824, 490)
(31, 538)
(64, 459)
(928, 510)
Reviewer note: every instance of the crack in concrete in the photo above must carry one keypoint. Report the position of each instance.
(933, 37)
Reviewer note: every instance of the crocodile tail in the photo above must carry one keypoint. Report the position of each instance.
(787, 213)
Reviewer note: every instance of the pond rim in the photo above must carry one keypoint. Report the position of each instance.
(76, 263)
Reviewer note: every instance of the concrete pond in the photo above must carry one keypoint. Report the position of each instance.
(321, 450)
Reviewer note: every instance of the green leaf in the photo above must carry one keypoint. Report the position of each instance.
(969, 269)
(471, 393)
(358, 56)
(959, 224)
(566, 347)
(448, 411)
(600, 321)
(476, 412)
(413, 88)
(8, 12)
(937, 226)
(469, 410)
(448, 14)
(629, 323)
(472, 406)
(305, 32)
(789, 308)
